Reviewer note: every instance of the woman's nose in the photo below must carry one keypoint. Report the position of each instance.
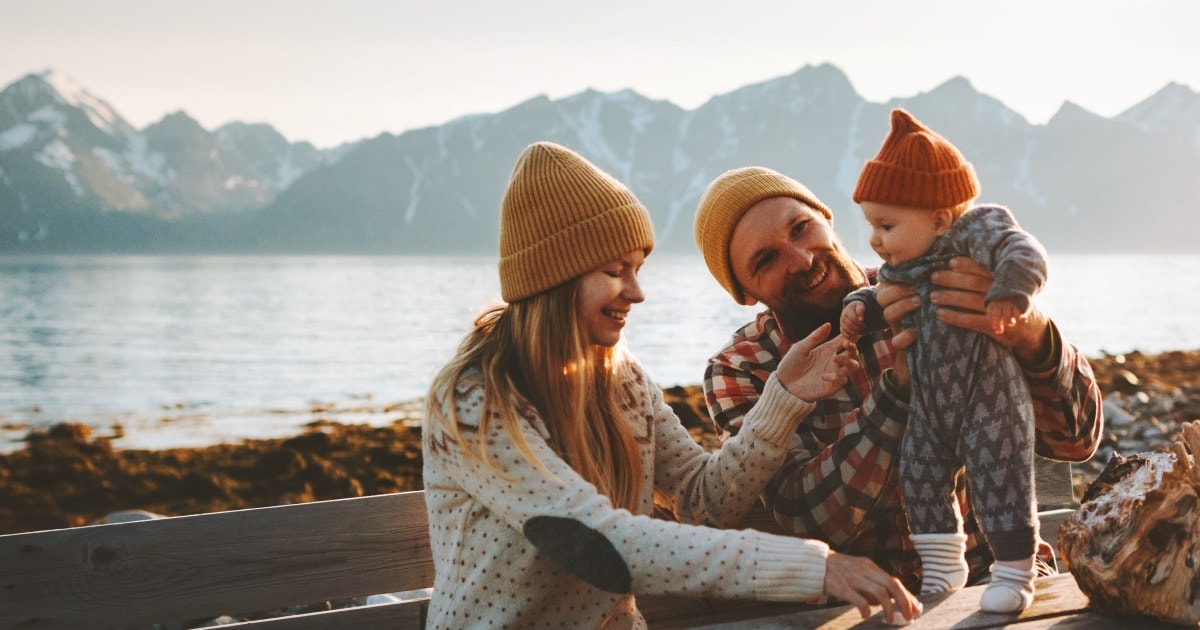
(633, 291)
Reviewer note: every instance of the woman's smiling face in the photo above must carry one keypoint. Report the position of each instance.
(606, 294)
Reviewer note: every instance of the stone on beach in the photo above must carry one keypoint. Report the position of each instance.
(65, 476)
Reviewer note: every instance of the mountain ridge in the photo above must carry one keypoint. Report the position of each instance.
(75, 177)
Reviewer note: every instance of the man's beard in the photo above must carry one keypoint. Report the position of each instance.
(802, 311)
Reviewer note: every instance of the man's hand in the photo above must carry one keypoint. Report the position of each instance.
(812, 370)
(861, 583)
(959, 298)
(897, 301)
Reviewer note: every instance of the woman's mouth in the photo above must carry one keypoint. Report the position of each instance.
(615, 315)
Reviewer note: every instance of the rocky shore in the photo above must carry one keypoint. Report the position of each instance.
(65, 476)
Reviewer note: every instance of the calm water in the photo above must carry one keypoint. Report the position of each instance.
(100, 338)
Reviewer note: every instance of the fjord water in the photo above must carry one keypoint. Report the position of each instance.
(89, 339)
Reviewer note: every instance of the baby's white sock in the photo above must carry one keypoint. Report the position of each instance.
(1011, 590)
(943, 561)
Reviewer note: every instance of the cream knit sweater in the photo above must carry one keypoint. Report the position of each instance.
(527, 548)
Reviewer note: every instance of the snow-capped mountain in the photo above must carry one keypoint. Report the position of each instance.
(67, 158)
(1081, 182)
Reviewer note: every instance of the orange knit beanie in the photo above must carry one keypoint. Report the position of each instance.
(916, 167)
(562, 217)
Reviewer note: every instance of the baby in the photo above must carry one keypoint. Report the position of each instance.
(970, 407)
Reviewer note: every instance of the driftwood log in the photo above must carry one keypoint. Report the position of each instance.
(1134, 544)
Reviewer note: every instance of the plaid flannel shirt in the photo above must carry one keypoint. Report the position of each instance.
(839, 481)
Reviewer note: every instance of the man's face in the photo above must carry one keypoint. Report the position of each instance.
(785, 255)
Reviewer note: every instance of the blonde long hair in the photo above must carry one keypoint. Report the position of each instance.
(536, 352)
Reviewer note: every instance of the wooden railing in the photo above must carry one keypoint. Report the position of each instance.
(195, 567)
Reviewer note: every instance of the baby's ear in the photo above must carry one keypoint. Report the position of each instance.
(943, 218)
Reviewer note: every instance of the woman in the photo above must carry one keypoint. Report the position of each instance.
(547, 447)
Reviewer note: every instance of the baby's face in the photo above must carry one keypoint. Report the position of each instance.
(901, 233)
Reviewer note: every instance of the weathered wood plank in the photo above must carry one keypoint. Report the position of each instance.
(1057, 597)
(1052, 483)
(1050, 521)
(664, 612)
(205, 565)
(210, 564)
(398, 616)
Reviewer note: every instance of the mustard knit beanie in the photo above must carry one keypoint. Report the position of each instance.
(916, 167)
(726, 201)
(562, 217)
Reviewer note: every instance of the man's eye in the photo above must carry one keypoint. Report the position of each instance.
(764, 262)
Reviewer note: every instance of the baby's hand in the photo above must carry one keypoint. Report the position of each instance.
(1002, 314)
(853, 322)
(815, 368)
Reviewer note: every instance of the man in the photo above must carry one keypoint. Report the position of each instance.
(767, 239)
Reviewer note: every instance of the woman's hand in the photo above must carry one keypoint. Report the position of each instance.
(861, 583)
(812, 370)
(959, 295)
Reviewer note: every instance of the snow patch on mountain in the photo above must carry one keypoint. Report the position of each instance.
(142, 161)
(57, 155)
(73, 94)
(16, 137)
(414, 192)
(49, 116)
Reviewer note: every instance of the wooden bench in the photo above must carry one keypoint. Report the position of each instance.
(197, 567)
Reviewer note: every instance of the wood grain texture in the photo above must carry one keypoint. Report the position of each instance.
(194, 567)
(211, 564)
(1056, 597)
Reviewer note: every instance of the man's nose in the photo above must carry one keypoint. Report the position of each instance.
(800, 259)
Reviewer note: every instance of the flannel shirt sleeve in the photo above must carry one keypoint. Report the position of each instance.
(841, 456)
(1068, 421)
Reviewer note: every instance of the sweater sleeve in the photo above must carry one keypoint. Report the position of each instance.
(720, 488)
(841, 456)
(873, 318)
(564, 517)
(1067, 404)
(1016, 259)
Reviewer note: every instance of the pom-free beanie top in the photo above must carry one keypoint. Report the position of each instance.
(917, 168)
(562, 217)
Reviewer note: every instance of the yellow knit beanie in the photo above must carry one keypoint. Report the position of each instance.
(561, 217)
(726, 201)
(918, 168)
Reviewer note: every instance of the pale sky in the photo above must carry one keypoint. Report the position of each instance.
(335, 71)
